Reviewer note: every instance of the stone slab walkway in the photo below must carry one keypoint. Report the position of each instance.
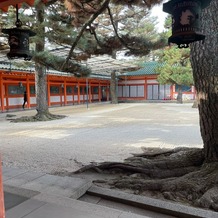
(39, 195)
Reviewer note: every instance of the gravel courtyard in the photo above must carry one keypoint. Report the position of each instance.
(103, 132)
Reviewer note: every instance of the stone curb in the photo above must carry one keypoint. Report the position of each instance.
(20, 191)
(152, 204)
(89, 208)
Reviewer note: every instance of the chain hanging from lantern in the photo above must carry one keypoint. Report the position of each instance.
(185, 20)
(19, 40)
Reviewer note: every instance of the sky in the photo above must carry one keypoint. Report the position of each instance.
(158, 12)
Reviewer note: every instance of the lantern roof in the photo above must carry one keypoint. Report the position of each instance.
(15, 30)
(168, 6)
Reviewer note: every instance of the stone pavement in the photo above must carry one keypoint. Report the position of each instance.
(39, 195)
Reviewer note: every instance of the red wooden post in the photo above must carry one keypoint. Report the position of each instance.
(2, 205)
(48, 90)
(78, 84)
(2, 93)
(28, 90)
(65, 93)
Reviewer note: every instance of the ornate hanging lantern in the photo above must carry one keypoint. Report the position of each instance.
(185, 20)
(19, 40)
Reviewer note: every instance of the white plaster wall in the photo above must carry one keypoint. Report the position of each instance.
(15, 101)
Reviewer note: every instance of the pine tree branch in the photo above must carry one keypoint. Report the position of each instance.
(50, 2)
(143, 46)
(94, 16)
(115, 29)
(54, 62)
(105, 48)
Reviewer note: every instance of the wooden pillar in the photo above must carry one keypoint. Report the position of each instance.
(145, 90)
(2, 92)
(73, 93)
(28, 91)
(65, 93)
(90, 93)
(61, 93)
(2, 205)
(5, 90)
(99, 92)
(48, 90)
(172, 91)
(78, 84)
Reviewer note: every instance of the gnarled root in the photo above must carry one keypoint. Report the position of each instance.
(179, 175)
(172, 163)
(46, 116)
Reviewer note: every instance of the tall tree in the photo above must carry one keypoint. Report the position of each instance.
(80, 32)
(46, 22)
(98, 15)
(184, 174)
(48, 29)
(40, 70)
(204, 61)
(175, 69)
(116, 26)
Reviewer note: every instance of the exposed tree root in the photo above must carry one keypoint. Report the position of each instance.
(156, 164)
(38, 117)
(179, 175)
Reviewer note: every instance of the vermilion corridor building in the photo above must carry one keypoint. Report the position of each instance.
(62, 88)
(66, 89)
(142, 84)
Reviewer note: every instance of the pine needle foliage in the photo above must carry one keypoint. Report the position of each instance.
(176, 67)
(92, 27)
(55, 62)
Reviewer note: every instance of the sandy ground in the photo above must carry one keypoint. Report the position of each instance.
(101, 132)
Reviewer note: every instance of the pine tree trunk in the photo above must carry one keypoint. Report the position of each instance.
(204, 58)
(113, 82)
(113, 89)
(179, 96)
(41, 90)
(40, 75)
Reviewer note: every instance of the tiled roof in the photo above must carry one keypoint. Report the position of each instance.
(148, 68)
(102, 65)
(8, 66)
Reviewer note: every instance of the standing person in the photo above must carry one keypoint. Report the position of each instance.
(24, 99)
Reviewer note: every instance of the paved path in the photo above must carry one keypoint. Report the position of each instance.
(39, 195)
(104, 132)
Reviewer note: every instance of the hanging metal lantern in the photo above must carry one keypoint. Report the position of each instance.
(185, 20)
(19, 41)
